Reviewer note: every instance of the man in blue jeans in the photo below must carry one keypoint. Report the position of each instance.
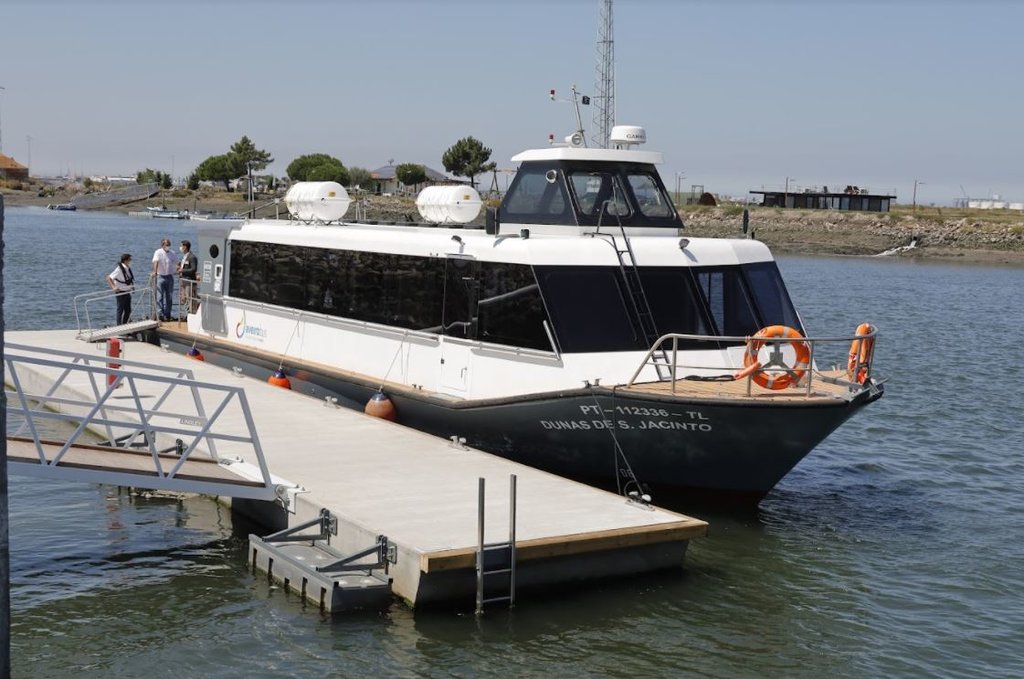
(165, 264)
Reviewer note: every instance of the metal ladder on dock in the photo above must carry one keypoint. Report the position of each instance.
(642, 308)
(496, 561)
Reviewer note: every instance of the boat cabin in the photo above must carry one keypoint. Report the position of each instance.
(568, 186)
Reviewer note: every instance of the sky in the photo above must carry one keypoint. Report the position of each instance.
(738, 95)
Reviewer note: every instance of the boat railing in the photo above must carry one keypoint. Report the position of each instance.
(856, 369)
(87, 313)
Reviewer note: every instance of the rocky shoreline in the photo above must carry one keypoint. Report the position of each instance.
(975, 236)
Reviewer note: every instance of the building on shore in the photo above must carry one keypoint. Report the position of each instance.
(385, 181)
(852, 198)
(11, 169)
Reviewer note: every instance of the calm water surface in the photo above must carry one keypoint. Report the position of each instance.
(895, 549)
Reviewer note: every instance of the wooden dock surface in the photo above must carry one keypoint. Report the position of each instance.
(380, 478)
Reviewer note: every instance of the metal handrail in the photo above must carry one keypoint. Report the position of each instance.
(141, 413)
(82, 302)
(811, 343)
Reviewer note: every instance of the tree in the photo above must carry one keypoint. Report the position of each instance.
(411, 174)
(221, 168)
(193, 182)
(147, 176)
(359, 176)
(248, 156)
(165, 181)
(318, 167)
(467, 158)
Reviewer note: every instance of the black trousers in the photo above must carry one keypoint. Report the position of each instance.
(124, 308)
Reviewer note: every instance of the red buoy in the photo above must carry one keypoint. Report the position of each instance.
(381, 406)
(195, 354)
(279, 379)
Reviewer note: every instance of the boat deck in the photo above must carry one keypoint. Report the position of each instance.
(736, 390)
(379, 478)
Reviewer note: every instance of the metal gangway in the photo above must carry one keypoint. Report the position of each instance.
(124, 194)
(76, 417)
(144, 315)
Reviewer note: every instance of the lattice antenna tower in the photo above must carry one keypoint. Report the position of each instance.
(604, 89)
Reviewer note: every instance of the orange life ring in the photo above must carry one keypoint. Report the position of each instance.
(861, 353)
(790, 374)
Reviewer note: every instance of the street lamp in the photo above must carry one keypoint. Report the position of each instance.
(785, 195)
(679, 186)
(916, 182)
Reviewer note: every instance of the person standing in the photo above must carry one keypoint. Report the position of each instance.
(122, 281)
(165, 264)
(187, 268)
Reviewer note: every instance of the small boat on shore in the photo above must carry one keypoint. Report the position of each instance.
(577, 331)
(68, 207)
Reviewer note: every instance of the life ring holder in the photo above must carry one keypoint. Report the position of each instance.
(785, 375)
(862, 351)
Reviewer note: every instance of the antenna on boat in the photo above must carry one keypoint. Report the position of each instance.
(604, 87)
(577, 138)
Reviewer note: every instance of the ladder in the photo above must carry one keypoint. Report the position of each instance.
(496, 561)
(642, 308)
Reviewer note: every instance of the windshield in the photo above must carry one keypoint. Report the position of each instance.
(591, 307)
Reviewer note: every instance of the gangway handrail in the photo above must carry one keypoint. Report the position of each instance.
(137, 417)
(147, 294)
(811, 342)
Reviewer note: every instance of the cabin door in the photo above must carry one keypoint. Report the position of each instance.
(459, 321)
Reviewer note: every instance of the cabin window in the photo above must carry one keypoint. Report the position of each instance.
(510, 309)
(675, 304)
(593, 190)
(773, 303)
(725, 294)
(588, 306)
(459, 297)
(650, 199)
(537, 196)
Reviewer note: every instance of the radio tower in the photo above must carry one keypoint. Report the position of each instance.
(604, 89)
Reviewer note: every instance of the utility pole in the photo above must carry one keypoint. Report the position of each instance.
(916, 182)
(785, 195)
(2, 121)
(29, 138)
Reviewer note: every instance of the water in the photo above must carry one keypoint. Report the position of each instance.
(895, 549)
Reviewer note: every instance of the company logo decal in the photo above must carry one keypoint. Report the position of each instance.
(242, 329)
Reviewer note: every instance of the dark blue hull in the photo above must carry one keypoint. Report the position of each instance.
(674, 445)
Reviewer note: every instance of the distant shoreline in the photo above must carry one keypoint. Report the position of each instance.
(940, 234)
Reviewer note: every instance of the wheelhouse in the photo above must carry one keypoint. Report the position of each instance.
(579, 187)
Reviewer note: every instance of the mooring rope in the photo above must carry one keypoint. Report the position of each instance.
(618, 451)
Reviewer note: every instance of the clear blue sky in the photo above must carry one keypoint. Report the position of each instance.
(736, 94)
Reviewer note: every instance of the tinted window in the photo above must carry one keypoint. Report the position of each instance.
(510, 309)
(651, 200)
(588, 308)
(727, 300)
(459, 297)
(770, 294)
(674, 304)
(594, 189)
(537, 195)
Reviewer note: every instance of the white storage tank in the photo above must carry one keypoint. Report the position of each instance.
(317, 201)
(449, 204)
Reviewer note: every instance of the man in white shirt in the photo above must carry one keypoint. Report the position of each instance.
(165, 263)
(122, 281)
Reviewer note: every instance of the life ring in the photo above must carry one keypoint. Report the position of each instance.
(789, 375)
(861, 353)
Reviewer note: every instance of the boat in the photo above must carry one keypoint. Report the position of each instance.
(164, 213)
(69, 207)
(577, 329)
